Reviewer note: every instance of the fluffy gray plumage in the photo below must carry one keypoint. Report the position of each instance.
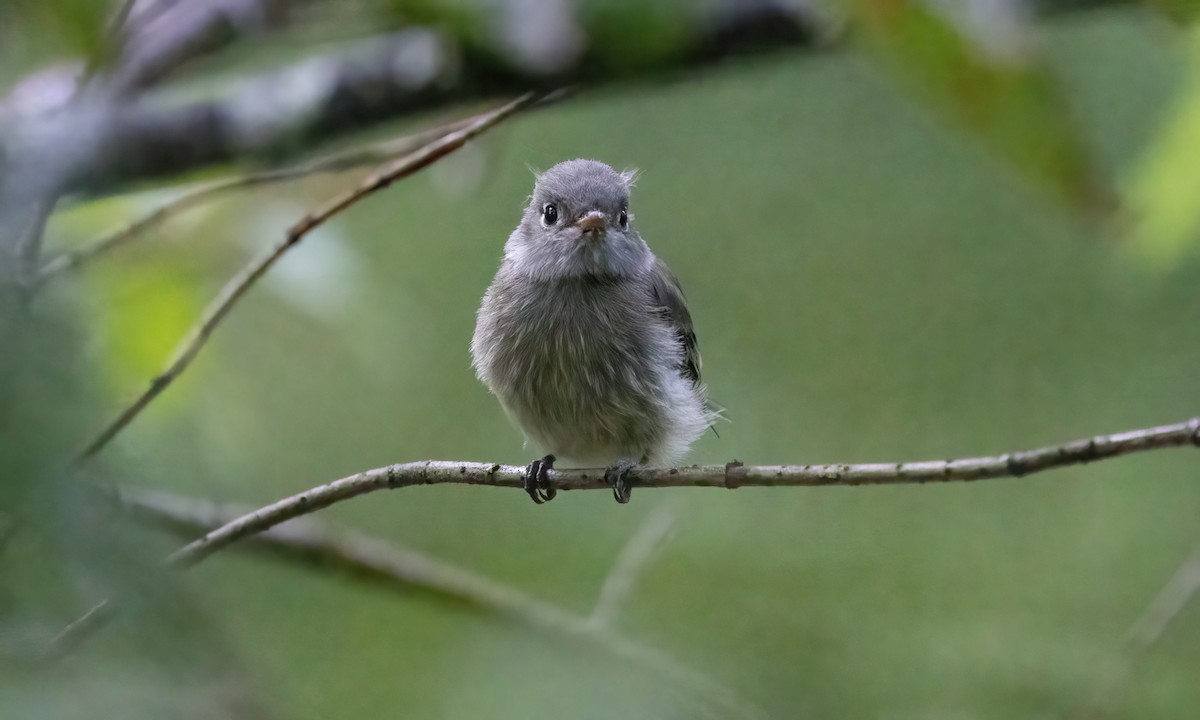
(584, 335)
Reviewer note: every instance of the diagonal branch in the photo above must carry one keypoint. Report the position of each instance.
(216, 311)
(338, 162)
(311, 543)
(731, 475)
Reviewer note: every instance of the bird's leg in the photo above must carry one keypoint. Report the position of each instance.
(616, 475)
(536, 480)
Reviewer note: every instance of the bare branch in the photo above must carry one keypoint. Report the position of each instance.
(731, 475)
(394, 567)
(187, 350)
(655, 531)
(333, 163)
(1145, 632)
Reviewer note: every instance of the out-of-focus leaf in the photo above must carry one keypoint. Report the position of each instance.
(630, 35)
(1161, 197)
(1181, 11)
(151, 295)
(79, 25)
(975, 62)
(158, 305)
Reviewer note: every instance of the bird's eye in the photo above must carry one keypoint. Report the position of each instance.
(549, 214)
(623, 218)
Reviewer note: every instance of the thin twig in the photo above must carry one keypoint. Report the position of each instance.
(655, 531)
(1145, 632)
(338, 162)
(187, 350)
(29, 244)
(312, 543)
(731, 475)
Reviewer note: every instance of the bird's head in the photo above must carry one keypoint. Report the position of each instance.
(578, 223)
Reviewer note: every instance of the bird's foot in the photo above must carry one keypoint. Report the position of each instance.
(617, 477)
(537, 480)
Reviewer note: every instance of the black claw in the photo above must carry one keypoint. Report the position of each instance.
(537, 480)
(617, 477)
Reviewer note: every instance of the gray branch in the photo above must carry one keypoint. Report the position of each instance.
(102, 145)
(731, 475)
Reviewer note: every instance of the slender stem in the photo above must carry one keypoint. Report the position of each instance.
(1144, 633)
(339, 162)
(731, 475)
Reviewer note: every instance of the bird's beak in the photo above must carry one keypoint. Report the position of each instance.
(593, 221)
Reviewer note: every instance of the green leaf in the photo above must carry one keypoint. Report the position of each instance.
(1181, 11)
(1163, 212)
(149, 294)
(79, 26)
(984, 74)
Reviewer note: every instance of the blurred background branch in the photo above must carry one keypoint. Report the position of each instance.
(1147, 630)
(288, 112)
(320, 547)
(654, 532)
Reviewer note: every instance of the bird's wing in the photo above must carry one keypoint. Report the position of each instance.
(671, 306)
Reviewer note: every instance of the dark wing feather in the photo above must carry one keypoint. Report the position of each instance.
(671, 306)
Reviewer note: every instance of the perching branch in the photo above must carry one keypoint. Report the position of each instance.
(374, 154)
(190, 347)
(731, 475)
(316, 545)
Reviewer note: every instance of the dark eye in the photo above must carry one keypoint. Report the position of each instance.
(549, 214)
(623, 218)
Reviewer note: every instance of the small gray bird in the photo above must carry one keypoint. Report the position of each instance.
(585, 337)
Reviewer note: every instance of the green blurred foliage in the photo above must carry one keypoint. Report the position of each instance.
(867, 285)
(994, 84)
(1182, 11)
(155, 300)
(44, 29)
(1163, 212)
